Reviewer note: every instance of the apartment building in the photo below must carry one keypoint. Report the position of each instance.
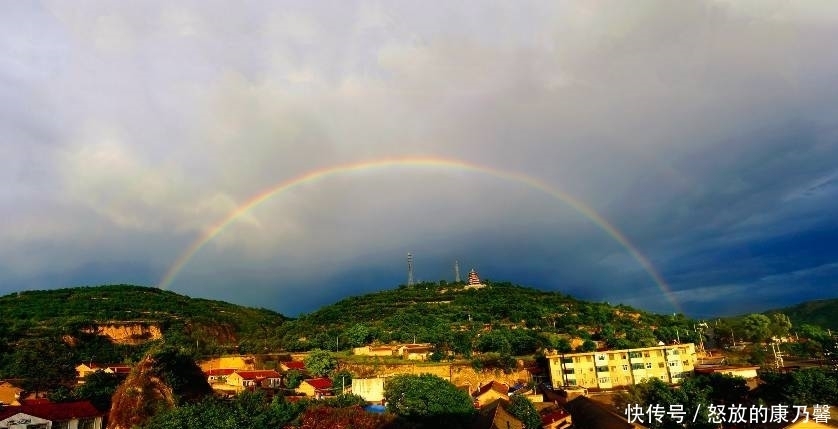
(617, 368)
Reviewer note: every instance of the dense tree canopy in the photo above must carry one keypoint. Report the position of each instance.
(42, 364)
(524, 410)
(320, 362)
(428, 399)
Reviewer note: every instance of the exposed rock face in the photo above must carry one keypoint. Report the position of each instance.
(159, 382)
(142, 395)
(127, 333)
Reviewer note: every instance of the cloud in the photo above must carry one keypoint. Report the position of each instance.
(698, 129)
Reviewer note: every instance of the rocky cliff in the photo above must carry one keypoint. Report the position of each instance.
(127, 332)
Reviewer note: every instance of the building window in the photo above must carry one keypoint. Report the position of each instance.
(673, 364)
(648, 365)
(569, 371)
(646, 354)
(637, 366)
(600, 357)
(589, 358)
(567, 360)
(661, 365)
(602, 369)
(686, 362)
(61, 425)
(604, 380)
(633, 355)
(625, 367)
(624, 356)
(571, 382)
(613, 368)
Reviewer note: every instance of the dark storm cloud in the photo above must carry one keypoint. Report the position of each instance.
(704, 131)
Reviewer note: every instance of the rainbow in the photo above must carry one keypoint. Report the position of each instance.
(323, 173)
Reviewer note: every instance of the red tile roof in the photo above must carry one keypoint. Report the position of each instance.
(554, 416)
(252, 375)
(295, 364)
(320, 383)
(219, 371)
(499, 387)
(54, 411)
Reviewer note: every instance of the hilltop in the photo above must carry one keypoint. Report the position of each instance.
(132, 315)
(441, 312)
(819, 313)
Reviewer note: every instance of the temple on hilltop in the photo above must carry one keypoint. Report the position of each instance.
(474, 280)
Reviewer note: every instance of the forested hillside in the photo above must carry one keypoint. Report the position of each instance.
(458, 319)
(72, 316)
(823, 313)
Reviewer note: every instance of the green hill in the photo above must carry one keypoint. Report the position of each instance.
(823, 313)
(78, 314)
(451, 316)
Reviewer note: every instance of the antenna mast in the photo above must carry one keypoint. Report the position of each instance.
(409, 269)
(457, 271)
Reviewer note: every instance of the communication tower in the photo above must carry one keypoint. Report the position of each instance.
(409, 269)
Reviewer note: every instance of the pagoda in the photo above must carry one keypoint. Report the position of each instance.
(474, 280)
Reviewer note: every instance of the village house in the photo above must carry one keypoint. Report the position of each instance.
(218, 375)
(746, 372)
(51, 415)
(83, 370)
(293, 365)
(416, 351)
(246, 379)
(557, 418)
(495, 416)
(489, 392)
(587, 413)
(315, 387)
(380, 351)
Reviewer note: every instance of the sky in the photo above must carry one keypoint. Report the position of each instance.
(673, 156)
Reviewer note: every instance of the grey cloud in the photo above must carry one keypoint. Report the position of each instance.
(689, 125)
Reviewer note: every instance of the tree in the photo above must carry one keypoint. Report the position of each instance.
(293, 379)
(562, 345)
(588, 346)
(757, 327)
(42, 363)
(357, 335)
(341, 379)
(494, 341)
(321, 417)
(98, 388)
(780, 325)
(524, 410)
(320, 362)
(429, 400)
(177, 369)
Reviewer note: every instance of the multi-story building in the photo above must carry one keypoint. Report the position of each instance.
(616, 368)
